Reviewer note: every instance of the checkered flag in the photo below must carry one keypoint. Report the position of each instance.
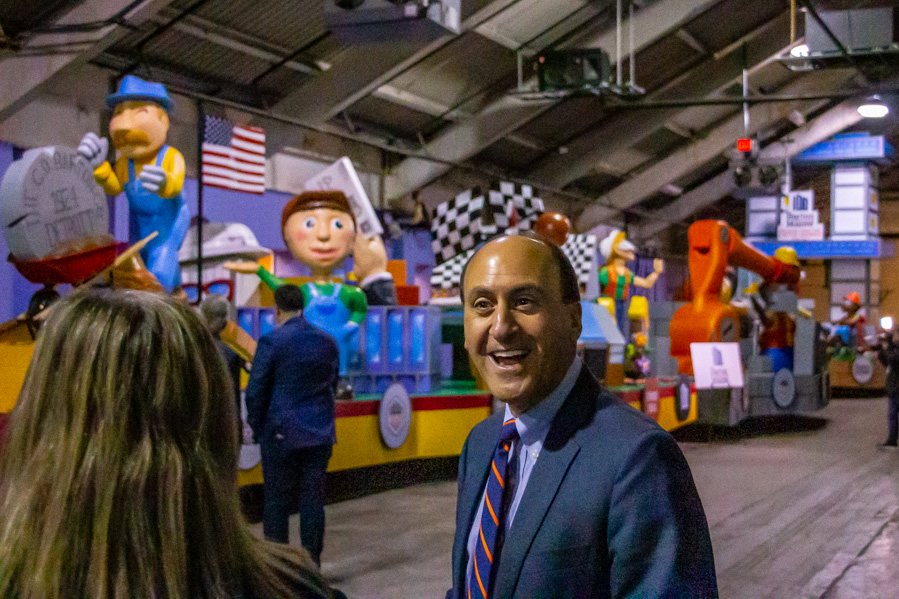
(519, 203)
(458, 225)
(449, 274)
(581, 252)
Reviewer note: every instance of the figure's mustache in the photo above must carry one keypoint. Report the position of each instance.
(127, 137)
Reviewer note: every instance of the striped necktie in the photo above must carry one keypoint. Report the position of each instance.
(492, 517)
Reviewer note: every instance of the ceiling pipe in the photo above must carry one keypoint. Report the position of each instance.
(792, 22)
(750, 100)
(631, 62)
(619, 77)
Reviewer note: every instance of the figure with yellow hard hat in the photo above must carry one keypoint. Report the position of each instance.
(149, 172)
(615, 278)
(778, 336)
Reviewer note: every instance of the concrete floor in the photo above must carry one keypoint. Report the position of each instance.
(810, 512)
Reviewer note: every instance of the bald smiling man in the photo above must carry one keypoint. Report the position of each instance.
(568, 492)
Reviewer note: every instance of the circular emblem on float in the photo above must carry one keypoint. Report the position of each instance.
(49, 202)
(395, 415)
(862, 370)
(683, 398)
(784, 388)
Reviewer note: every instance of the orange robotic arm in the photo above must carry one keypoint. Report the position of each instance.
(714, 245)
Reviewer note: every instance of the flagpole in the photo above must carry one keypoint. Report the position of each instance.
(201, 121)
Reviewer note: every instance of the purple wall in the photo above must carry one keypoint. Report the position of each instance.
(262, 213)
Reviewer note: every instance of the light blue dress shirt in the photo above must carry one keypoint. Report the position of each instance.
(532, 427)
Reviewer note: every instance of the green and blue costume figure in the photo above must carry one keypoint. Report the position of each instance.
(319, 229)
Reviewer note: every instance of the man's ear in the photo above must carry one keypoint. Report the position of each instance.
(574, 313)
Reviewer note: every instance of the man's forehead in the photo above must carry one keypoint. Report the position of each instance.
(511, 263)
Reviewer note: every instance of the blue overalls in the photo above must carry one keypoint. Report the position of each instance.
(330, 314)
(147, 212)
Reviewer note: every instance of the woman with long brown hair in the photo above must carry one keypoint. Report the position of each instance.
(118, 475)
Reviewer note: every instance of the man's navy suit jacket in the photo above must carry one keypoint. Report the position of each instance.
(290, 395)
(610, 509)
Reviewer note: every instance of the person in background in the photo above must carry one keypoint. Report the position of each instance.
(888, 353)
(217, 311)
(291, 408)
(118, 477)
(568, 492)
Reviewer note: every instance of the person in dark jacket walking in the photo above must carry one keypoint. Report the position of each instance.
(291, 409)
(888, 353)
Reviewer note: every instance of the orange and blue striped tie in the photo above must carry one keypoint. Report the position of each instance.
(492, 517)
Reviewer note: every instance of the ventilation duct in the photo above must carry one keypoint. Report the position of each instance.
(859, 30)
(369, 20)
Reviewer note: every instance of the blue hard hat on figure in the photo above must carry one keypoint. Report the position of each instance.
(133, 88)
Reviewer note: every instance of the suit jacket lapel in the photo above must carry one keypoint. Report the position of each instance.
(559, 450)
(477, 466)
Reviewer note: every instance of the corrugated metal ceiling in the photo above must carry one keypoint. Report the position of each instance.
(461, 69)
(470, 71)
(288, 23)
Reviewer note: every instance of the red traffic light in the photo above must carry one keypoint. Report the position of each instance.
(744, 145)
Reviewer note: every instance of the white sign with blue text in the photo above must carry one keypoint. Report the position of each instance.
(798, 218)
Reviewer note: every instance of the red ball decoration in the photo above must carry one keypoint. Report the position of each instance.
(553, 227)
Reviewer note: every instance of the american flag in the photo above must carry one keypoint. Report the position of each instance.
(233, 156)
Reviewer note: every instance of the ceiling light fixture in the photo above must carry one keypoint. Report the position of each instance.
(873, 108)
(800, 51)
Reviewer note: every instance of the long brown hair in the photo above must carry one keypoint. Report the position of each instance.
(118, 477)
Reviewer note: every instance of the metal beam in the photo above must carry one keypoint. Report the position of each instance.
(503, 116)
(711, 77)
(407, 99)
(361, 68)
(484, 23)
(521, 27)
(700, 152)
(824, 126)
(526, 141)
(44, 55)
(678, 130)
(686, 37)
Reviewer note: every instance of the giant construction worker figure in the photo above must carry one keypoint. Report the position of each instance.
(149, 172)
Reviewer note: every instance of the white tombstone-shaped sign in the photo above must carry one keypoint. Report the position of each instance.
(49, 201)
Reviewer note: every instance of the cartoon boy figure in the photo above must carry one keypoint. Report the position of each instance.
(319, 229)
(615, 278)
(149, 172)
(850, 328)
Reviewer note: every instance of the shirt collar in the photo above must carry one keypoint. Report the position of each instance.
(534, 424)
